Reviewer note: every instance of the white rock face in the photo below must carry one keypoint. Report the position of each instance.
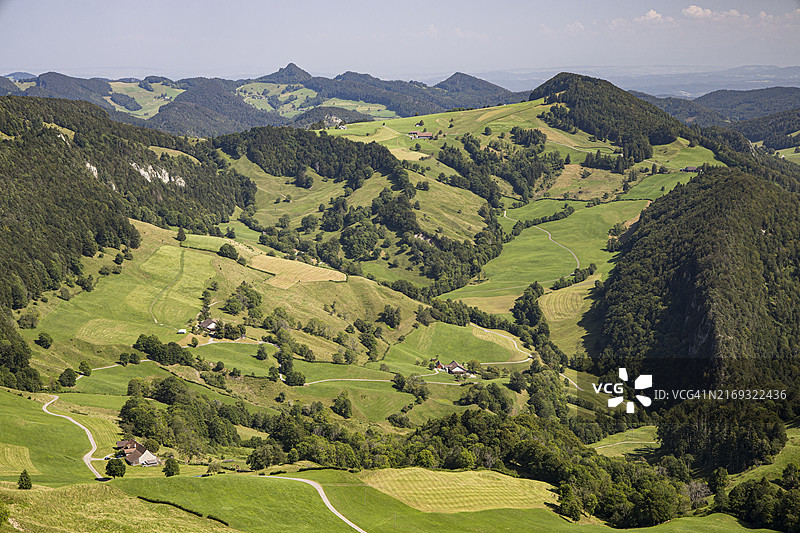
(91, 168)
(150, 173)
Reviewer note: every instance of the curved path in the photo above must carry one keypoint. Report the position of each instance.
(324, 497)
(526, 353)
(88, 457)
(578, 261)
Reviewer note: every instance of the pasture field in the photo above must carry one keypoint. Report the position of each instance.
(678, 155)
(532, 256)
(50, 447)
(635, 442)
(655, 186)
(790, 155)
(377, 512)
(566, 310)
(151, 102)
(172, 153)
(249, 503)
(394, 133)
(599, 183)
(97, 508)
(537, 209)
(453, 492)
(447, 342)
(287, 273)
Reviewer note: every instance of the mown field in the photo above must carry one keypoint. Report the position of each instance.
(635, 442)
(96, 508)
(50, 448)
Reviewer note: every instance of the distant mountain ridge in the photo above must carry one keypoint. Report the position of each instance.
(211, 106)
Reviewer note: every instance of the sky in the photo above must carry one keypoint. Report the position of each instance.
(392, 40)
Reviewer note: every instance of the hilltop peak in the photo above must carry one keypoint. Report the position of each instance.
(466, 83)
(291, 73)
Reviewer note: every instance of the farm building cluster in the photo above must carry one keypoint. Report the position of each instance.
(451, 368)
(135, 453)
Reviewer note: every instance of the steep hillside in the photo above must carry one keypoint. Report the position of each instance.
(744, 105)
(708, 280)
(71, 177)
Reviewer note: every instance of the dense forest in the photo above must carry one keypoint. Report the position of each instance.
(69, 192)
(776, 130)
(708, 277)
(744, 105)
(687, 111)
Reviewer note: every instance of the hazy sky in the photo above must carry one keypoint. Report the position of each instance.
(233, 39)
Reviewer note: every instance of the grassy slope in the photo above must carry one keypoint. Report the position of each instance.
(789, 454)
(51, 445)
(636, 441)
(377, 512)
(452, 492)
(96, 508)
(249, 503)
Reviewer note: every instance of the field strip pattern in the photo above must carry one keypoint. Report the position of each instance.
(15, 458)
(325, 499)
(454, 492)
(166, 289)
(87, 459)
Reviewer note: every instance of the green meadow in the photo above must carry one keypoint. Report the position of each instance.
(49, 447)
(655, 186)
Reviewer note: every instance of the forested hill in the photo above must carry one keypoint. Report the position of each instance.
(687, 111)
(744, 105)
(71, 177)
(207, 107)
(710, 275)
(777, 131)
(608, 112)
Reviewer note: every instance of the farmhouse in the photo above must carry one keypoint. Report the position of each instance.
(420, 134)
(209, 324)
(135, 453)
(689, 169)
(452, 368)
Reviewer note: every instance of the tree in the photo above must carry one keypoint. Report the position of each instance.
(115, 468)
(718, 480)
(44, 340)
(24, 481)
(309, 223)
(227, 250)
(342, 405)
(284, 221)
(487, 131)
(85, 368)
(181, 235)
(68, 378)
(171, 468)
(262, 353)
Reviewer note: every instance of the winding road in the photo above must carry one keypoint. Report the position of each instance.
(517, 347)
(88, 457)
(324, 497)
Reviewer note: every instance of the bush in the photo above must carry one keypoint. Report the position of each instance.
(44, 340)
(227, 250)
(68, 378)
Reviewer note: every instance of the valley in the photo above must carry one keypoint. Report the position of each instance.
(277, 305)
